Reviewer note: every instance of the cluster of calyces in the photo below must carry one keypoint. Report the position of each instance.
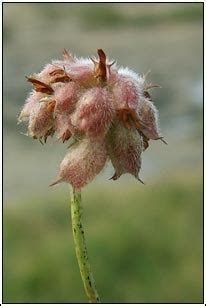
(106, 110)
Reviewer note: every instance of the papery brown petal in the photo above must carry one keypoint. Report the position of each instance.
(40, 86)
(51, 105)
(58, 71)
(62, 79)
(101, 67)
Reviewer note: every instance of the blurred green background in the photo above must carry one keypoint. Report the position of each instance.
(145, 242)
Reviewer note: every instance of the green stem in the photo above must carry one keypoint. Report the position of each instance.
(81, 250)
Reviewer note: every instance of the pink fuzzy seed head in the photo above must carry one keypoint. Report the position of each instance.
(104, 109)
(94, 112)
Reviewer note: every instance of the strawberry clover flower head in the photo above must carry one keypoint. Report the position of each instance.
(104, 110)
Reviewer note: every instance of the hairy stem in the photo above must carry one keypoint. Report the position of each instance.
(81, 250)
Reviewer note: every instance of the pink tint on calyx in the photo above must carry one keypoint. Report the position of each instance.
(125, 148)
(149, 117)
(125, 93)
(63, 126)
(40, 121)
(66, 97)
(83, 162)
(82, 73)
(94, 112)
(31, 102)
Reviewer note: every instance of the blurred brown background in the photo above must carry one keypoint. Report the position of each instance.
(145, 242)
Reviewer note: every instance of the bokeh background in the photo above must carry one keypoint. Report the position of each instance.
(144, 241)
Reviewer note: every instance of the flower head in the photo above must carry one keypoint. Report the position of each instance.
(106, 110)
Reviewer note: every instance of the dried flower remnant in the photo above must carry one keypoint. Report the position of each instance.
(107, 110)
